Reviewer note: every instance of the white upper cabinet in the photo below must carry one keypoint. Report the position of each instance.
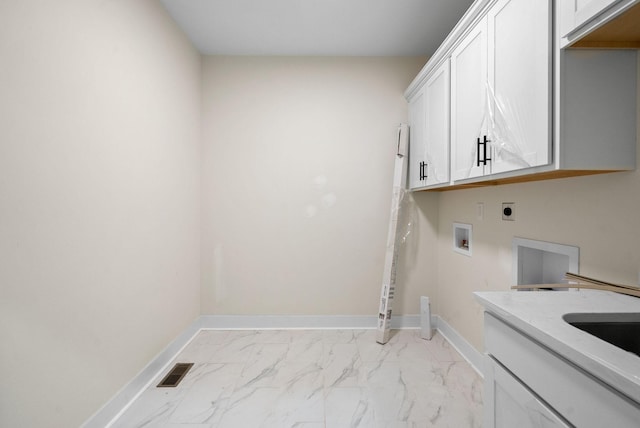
(519, 91)
(437, 126)
(429, 131)
(583, 10)
(501, 91)
(605, 23)
(523, 105)
(468, 102)
(417, 149)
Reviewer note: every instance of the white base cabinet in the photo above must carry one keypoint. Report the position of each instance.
(513, 404)
(527, 385)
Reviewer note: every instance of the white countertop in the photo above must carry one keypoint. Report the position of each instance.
(539, 315)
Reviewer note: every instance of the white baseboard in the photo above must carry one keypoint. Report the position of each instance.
(468, 352)
(123, 399)
(266, 322)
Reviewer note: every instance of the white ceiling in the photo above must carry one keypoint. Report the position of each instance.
(317, 27)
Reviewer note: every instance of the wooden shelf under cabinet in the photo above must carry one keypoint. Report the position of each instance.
(549, 175)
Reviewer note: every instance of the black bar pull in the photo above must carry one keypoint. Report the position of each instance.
(485, 149)
(423, 171)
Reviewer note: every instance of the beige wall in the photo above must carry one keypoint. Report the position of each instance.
(100, 219)
(99, 208)
(599, 214)
(298, 161)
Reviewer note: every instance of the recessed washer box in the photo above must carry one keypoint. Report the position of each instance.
(540, 262)
(462, 238)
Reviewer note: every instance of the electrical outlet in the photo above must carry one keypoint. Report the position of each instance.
(509, 211)
(480, 211)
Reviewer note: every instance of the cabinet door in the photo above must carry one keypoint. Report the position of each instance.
(417, 148)
(511, 404)
(468, 101)
(437, 127)
(519, 54)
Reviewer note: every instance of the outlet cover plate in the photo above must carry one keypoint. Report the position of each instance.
(509, 211)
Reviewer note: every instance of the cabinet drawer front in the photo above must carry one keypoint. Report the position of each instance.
(514, 405)
(581, 399)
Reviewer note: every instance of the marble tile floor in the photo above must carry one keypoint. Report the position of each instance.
(313, 379)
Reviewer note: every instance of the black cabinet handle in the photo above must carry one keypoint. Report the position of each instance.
(423, 171)
(482, 143)
(485, 149)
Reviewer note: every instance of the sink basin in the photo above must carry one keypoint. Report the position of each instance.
(619, 329)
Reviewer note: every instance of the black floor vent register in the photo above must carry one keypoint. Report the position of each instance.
(175, 375)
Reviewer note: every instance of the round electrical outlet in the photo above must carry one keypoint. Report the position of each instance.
(509, 211)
